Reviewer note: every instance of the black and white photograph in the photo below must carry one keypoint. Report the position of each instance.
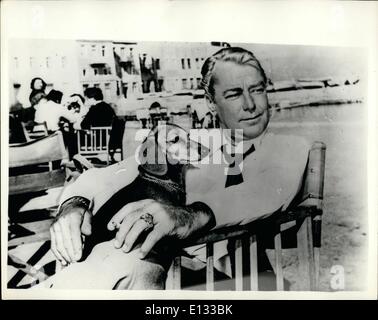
(221, 165)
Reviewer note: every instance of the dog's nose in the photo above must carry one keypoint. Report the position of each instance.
(197, 151)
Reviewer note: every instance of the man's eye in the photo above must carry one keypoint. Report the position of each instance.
(258, 90)
(232, 96)
(175, 139)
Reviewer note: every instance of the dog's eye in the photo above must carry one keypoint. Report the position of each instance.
(175, 139)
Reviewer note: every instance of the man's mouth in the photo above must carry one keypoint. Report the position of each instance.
(252, 118)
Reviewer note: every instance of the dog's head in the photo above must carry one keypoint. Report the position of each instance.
(166, 146)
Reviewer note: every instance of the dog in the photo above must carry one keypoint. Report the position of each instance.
(164, 156)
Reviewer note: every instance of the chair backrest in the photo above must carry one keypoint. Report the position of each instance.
(31, 164)
(35, 130)
(116, 133)
(43, 150)
(94, 141)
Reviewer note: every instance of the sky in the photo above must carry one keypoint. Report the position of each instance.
(284, 62)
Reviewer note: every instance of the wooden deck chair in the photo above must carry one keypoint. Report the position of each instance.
(94, 142)
(35, 130)
(34, 166)
(304, 220)
(39, 231)
(31, 164)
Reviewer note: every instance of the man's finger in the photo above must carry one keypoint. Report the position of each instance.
(86, 226)
(138, 227)
(53, 247)
(75, 231)
(152, 238)
(125, 227)
(67, 237)
(60, 244)
(125, 211)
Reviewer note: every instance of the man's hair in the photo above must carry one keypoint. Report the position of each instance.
(43, 84)
(79, 96)
(94, 92)
(36, 96)
(55, 95)
(234, 54)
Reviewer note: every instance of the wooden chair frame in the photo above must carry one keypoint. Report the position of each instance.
(37, 131)
(42, 152)
(40, 233)
(94, 143)
(50, 149)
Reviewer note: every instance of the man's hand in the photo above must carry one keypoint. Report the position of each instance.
(66, 234)
(168, 220)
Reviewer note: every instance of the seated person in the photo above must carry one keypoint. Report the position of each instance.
(38, 84)
(248, 174)
(55, 96)
(100, 113)
(76, 104)
(38, 87)
(27, 115)
(50, 110)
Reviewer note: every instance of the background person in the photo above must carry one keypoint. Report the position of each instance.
(27, 115)
(100, 113)
(37, 86)
(50, 110)
(76, 104)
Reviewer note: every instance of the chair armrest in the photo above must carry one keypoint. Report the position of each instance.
(81, 163)
(313, 185)
(217, 234)
(271, 221)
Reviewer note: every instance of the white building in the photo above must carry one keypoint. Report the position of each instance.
(97, 67)
(127, 54)
(54, 61)
(177, 64)
(71, 66)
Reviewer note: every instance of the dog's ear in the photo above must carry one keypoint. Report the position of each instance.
(152, 158)
(211, 105)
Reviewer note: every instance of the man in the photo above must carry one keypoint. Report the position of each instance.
(100, 113)
(263, 176)
(268, 172)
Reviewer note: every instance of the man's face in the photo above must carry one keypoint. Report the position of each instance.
(38, 84)
(240, 98)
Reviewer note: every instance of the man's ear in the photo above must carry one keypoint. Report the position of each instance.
(151, 157)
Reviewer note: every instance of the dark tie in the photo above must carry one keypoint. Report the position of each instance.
(237, 177)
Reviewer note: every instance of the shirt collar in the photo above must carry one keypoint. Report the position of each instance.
(226, 140)
(246, 143)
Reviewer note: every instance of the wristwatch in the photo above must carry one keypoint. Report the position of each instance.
(71, 203)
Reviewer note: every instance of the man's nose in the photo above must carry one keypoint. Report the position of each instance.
(249, 104)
